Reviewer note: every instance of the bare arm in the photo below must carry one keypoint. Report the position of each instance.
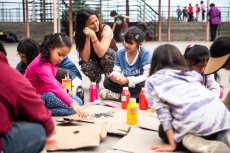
(86, 51)
(114, 25)
(101, 47)
(127, 17)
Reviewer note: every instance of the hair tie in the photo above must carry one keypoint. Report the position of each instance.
(137, 36)
(192, 45)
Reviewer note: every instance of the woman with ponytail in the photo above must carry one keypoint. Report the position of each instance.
(133, 62)
(41, 73)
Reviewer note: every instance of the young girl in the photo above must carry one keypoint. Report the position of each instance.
(197, 58)
(133, 62)
(28, 50)
(186, 109)
(42, 70)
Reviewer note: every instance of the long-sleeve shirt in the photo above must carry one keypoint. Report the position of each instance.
(19, 101)
(42, 77)
(203, 7)
(212, 85)
(183, 104)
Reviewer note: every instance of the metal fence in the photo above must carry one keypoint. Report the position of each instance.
(13, 11)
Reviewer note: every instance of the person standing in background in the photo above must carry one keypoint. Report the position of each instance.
(179, 13)
(203, 9)
(214, 14)
(190, 13)
(185, 14)
(197, 12)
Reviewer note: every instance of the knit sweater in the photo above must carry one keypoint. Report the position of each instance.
(184, 104)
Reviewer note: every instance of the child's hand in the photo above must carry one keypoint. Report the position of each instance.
(69, 92)
(166, 147)
(112, 77)
(122, 80)
(79, 110)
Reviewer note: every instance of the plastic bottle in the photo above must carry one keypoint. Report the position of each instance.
(80, 94)
(125, 96)
(132, 111)
(67, 82)
(143, 104)
(93, 92)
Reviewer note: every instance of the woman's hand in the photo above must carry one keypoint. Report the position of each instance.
(79, 110)
(112, 77)
(88, 32)
(166, 147)
(122, 80)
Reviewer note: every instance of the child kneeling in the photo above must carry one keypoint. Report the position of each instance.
(189, 113)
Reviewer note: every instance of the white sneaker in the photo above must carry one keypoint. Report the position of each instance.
(109, 95)
(198, 144)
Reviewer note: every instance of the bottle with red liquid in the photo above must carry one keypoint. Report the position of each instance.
(125, 96)
(93, 92)
(143, 104)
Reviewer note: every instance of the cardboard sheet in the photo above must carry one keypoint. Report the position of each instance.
(115, 151)
(117, 124)
(139, 141)
(151, 123)
(73, 137)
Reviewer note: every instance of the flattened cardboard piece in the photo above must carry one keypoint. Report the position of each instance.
(139, 141)
(154, 114)
(74, 137)
(112, 104)
(115, 151)
(117, 124)
(150, 123)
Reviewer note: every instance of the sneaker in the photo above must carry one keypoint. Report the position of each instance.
(224, 137)
(109, 95)
(197, 144)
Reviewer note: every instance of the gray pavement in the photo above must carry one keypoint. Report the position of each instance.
(107, 143)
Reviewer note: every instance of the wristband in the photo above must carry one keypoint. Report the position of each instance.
(94, 41)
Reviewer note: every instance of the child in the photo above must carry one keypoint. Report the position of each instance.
(185, 108)
(197, 58)
(42, 70)
(133, 61)
(28, 50)
(197, 12)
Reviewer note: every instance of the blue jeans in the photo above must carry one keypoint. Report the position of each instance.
(24, 137)
(58, 107)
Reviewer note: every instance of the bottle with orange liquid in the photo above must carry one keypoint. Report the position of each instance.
(67, 81)
(132, 111)
(143, 104)
(125, 96)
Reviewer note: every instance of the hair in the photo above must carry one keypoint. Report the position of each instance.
(136, 34)
(81, 18)
(196, 4)
(113, 13)
(212, 5)
(185, 7)
(198, 54)
(30, 48)
(2, 49)
(168, 56)
(189, 4)
(52, 41)
(201, 2)
(178, 5)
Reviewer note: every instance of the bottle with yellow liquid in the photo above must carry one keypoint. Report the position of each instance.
(132, 111)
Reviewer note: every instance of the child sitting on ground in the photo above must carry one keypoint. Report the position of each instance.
(188, 111)
(197, 58)
(133, 61)
(42, 70)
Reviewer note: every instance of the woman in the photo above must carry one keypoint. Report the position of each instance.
(95, 44)
(220, 52)
(214, 14)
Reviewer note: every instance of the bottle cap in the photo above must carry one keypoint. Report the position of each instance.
(132, 99)
(143, 88)
(125, 88)
(93, 83)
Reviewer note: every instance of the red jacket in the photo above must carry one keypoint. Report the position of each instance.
(190, 9)
(19, 101)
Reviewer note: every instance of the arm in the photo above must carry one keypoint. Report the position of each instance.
(114, 25)
(212, 85)
(227, 101)
(101, 47)
(86, 51)
(209, 12)
(127, 17)
(18, 67)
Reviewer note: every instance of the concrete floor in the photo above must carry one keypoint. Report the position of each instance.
(107, 143)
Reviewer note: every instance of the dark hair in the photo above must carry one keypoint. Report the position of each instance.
(201, 2)
(196, 4)
(185, 7)
(136, 33)
(113, 13)
(30, 48)
(2, 49)
(212, 5)
(81, 18)
(168, 56)
(52, 41)
(189, 4)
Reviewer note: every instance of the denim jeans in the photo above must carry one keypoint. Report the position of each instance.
(24, 137)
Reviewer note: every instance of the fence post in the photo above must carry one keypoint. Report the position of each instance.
(44, 10)
(169, 21)
(27, 21)
(70, 22)
(55, 16)
(159, 21)
(207, 23)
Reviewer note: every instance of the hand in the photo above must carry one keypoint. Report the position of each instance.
(166, 147)
(88, 32)
(222, 99)
(133, 19)
(122, 80)
(54, 132)
(68, 90)
(79, 110)
(113, 77)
